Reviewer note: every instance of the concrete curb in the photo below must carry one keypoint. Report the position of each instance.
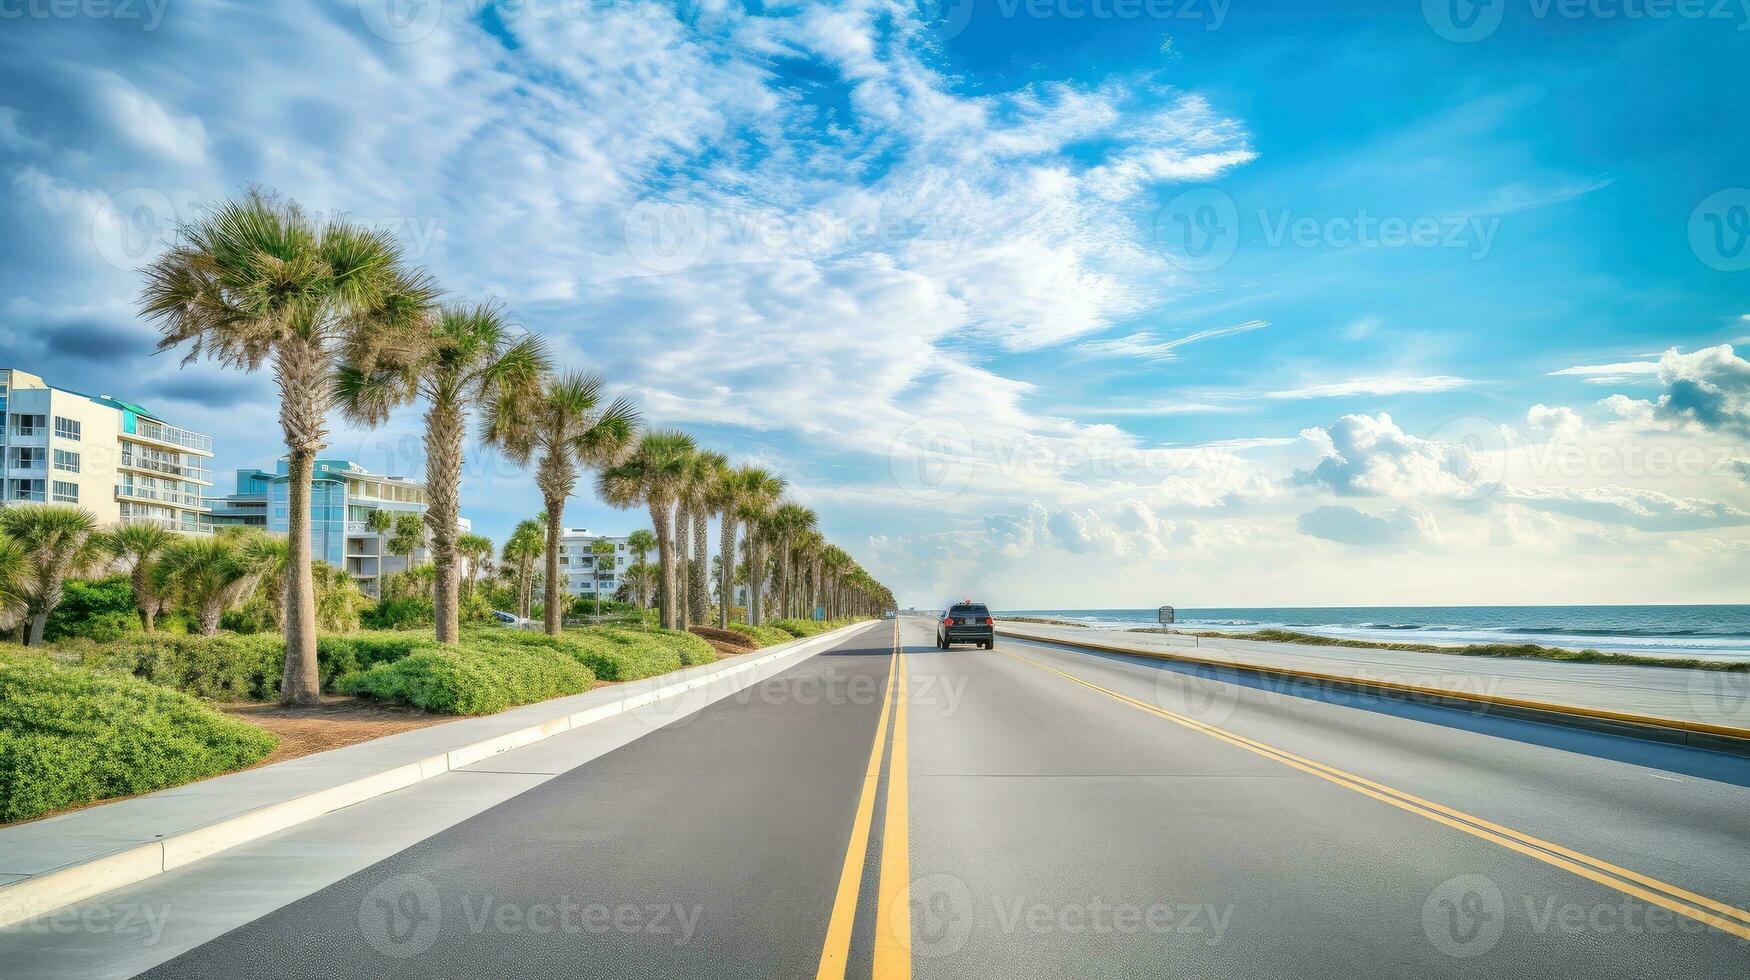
(1718, 738)
(47, 891)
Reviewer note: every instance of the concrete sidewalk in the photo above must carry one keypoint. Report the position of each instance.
(52, 863)
(1677, 694)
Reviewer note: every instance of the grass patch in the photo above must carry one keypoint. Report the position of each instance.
(1526, 650)
(70, 735)
(763, 634)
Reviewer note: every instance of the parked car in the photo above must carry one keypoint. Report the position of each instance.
(966, 622)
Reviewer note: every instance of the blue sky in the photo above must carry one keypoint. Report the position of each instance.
(1064, 303)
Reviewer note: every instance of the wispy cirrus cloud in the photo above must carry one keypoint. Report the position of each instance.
(1148, 347)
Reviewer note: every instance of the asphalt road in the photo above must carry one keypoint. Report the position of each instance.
(1039, 811)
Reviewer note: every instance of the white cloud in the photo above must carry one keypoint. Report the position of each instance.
(1151, 348)
(1561, 424)
(1408, 525)
(1619, 372)
(1646, 510)
(1364, 455)
(1431, 384)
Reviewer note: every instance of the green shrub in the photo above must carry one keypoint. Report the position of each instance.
(764, 635)
(474, 679)
(224, 667)
(398, 613)
(95, 609)
(72, 735)
(800, 627)
(590, 606)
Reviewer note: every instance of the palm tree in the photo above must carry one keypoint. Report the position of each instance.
(652, 475)
(521, 550)
(14, 572)
(474, 359)
(642, 577)
(603, 551)
(641, 543)
(476, 550)
(211, 573)
(725, 498)
(269, 554)
(57, 542)
(787, 521)
(256, 282)
(565, 428)
(759, 493)
(380, 522)
(696, 499)
(409, 534)
(834, 563)
(137, 545)
(805, 550)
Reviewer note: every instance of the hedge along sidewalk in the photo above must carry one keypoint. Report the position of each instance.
(1705, 708)
(53, 863)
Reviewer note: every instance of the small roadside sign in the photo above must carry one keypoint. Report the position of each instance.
(1166, 615)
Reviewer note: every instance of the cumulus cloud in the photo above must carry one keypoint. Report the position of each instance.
(1408, 525)
(1366, 455)
(1710, 388)
(1560, 424)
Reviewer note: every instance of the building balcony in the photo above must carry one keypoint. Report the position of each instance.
(193, 474)
(193, 501)
(148, 430)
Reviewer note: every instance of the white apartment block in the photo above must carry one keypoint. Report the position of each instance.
(577, 563)
(111, 457)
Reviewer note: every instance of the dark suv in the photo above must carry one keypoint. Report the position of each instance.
(966, 622)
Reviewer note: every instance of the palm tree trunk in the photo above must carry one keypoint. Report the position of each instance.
(683, 578)
(148, 607)
(751, 554)
(659, 521)
(301, 684)
(699, 588)
(443, 480)
(553, 590)
(726, 574)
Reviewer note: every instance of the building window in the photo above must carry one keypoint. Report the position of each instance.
(24, 490)
(26, 457)
(27, 425)
(65, 460)
(66, 493)
(66, 429)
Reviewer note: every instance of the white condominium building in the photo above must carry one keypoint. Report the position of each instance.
(111, 457)
(577, 563)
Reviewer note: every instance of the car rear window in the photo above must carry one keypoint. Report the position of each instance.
(969, 611)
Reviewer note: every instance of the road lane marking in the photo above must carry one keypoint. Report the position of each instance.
(835, 952)
(1650, 890)
(893, 902)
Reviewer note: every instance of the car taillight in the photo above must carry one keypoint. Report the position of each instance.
(990, 621)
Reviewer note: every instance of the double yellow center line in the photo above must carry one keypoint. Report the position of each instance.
(893, 900)
(1667, 896)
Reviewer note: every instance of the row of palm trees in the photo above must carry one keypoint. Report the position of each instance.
(42, 546)
(332, 308)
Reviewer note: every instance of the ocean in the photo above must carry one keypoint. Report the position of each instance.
(1714, 632)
